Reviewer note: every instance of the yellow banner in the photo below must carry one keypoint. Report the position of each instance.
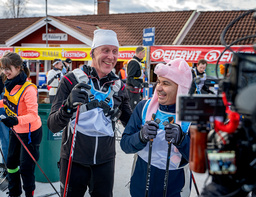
(75, 54)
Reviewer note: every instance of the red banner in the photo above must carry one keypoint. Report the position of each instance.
(3, 50)
(194, 53)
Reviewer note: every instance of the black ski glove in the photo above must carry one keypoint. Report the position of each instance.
(174, 133)
(10, 121)
(78, 95)
(148, 131)
(144, 85)
(57, 76)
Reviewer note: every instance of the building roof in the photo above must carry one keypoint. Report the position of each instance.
(202, 28)
(129, 27)
(10, 27)
(209, 25)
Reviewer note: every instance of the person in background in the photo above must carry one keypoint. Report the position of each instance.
(21, 107)
(53, 78)
(4, 130)
(102, 96)
(198, 79)
(122, 72)
(135, 76)
(173, 79)
(66, 66)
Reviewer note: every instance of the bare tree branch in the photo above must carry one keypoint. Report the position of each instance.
(15, 8)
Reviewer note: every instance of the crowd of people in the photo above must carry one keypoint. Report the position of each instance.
(85, 103)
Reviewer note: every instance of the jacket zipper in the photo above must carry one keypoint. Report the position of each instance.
(95, 150)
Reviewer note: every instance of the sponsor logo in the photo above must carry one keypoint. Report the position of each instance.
(157, 54)
(212, 56)
(29, 54)
(188, 55)
(74, 54)
(126, 54)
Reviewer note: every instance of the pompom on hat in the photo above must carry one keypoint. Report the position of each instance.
(104, 37)
(177, 71)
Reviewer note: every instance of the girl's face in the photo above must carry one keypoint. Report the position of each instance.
(11, 72)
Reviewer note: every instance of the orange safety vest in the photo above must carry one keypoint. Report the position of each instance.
(123, 74)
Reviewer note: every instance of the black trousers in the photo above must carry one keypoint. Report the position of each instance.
(135, 98)
(19, 158)
(51, 98)
(99, 179)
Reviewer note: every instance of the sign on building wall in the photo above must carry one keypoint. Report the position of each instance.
(149, 36)
(79, 54)
(56, 37)
(3, 50)
(194, 53)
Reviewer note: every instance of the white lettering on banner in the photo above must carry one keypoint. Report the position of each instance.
(29, 54)
(126, 54)
(75, 54)
(3, 51)
(226, 56)
(173, 54)
(193, 54)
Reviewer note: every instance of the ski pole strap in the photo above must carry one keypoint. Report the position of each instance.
(12, 171)
(29, 134)
(82, 77)
(115, 87)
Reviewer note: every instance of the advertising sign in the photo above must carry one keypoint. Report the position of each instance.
(76, 54)
(195, 53)
(81, 54)
(3, 50)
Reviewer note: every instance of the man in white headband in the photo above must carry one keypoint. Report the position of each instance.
(174, 78)
(102, 96)
(53, 78)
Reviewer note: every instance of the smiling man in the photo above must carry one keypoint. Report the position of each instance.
(173, 79)
(102, 97)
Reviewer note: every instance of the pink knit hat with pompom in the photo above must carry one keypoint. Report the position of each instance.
(177, 71)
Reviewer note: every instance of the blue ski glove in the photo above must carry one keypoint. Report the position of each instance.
(78, 95)
(10, 121)
(148, 131)
(174, 133)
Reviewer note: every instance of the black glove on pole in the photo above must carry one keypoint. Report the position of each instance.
(174, 133)
(10, 121)
(148, 131)
(77, 96)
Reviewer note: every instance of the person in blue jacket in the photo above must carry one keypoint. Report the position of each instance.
(174, 78)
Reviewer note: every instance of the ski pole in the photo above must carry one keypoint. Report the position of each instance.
(71, 154)
(32, 157)
(149, 157)
(194, 181)
(171, 120)
(3, 158)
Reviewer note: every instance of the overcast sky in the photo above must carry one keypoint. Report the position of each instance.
(84, 7)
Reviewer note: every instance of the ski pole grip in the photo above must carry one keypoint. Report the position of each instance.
(156, 120)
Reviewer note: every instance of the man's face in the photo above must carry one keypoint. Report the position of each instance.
(201, 68)
(59, 65)
(104, 59)
(141, 54)
(166, 91)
